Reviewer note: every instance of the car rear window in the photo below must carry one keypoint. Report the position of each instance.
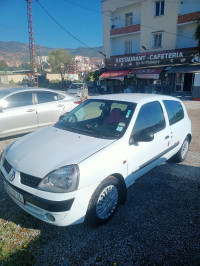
(174, 110)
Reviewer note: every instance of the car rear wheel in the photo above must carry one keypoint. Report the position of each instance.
(104, 202)
(181, 155)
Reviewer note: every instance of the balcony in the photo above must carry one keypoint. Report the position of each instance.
(125, 30)
(188, 17)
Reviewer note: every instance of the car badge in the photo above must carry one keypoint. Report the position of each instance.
(12, 176)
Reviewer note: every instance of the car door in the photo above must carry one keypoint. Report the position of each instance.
(144, 155)
(19, 115)
(49, 107)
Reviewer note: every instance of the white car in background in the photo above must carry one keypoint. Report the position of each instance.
(79, 169)
(27, 109)
(79, 90)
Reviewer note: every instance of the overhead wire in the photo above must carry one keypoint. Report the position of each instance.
(104, 13)
(64, 29)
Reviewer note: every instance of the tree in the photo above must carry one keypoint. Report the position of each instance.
(60, 61)
(197, 33)
(3, 65)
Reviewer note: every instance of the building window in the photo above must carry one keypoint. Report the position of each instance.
(128, 47)
(159, 8)
(129, 19)
(157, 39)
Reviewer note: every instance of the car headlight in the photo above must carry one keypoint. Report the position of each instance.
(62, 180)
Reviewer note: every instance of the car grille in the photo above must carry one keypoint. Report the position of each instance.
(7, 166)
(29, 180)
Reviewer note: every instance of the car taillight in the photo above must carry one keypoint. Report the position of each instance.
(78, 102)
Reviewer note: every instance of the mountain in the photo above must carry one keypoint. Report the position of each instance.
(22, 50)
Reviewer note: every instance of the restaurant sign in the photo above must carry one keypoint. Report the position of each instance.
(170, 57)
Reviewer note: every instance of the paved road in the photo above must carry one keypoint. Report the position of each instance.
(193, 109)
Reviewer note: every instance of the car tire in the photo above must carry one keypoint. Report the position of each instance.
(181, 155)
(104, 202)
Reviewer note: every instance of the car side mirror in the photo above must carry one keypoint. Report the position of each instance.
(141, 136)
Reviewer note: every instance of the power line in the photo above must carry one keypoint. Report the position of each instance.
(67, 1)
(63, 28)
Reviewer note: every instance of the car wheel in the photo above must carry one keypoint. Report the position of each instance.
(104, 202)
(181, 155)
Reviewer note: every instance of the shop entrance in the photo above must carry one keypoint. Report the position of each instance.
(187, 86)
(184, 82)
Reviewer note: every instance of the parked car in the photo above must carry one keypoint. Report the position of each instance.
(79, 90)
(26, 109)
(79, 169)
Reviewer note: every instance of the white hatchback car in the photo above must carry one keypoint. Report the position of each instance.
(79, 169)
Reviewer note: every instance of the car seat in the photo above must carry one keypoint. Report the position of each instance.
(114, 117)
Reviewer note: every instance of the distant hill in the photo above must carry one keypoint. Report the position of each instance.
(22, 49)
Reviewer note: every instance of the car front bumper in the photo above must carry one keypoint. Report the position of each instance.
(58, 212)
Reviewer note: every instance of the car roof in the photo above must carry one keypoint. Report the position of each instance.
(22, 89)
(135, 97)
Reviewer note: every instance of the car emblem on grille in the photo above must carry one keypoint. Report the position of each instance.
(12, 175)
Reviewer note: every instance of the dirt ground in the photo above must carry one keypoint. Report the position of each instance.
(193, 109)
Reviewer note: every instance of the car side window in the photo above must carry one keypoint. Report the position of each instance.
(150, 118)
(19, 100)
(45, 97)
(174, 110)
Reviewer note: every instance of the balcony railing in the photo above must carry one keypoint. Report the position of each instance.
(188, 17)
(125, 30)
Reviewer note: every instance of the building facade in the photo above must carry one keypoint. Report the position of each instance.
(152, 42)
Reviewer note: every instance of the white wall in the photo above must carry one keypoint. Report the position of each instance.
(117, 44)
(166, 23)
(188, 6)
(118, 16)
(186, 30)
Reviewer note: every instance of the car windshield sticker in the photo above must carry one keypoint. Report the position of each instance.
(119, 128)
(122, 124)
(128, 113)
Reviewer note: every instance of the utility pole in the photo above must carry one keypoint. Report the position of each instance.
(32, 44)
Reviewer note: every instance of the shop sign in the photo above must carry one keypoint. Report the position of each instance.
(170, 57)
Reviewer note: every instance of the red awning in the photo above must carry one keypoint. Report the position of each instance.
(118, 74)
(148, 73)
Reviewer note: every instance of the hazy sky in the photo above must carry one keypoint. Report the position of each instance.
(80, 18)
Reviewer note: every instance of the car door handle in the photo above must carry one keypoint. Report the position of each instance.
(167, 137)
(30, 110)
(60, 105)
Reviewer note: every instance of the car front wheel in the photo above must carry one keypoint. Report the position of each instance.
(104, 202)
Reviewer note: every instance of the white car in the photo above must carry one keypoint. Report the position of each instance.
(26, 109)
(79, 169)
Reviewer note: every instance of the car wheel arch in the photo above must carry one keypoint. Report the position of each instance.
(123, 187)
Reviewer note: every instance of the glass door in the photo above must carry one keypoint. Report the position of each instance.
(179, 81)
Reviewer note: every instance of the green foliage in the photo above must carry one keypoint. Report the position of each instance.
(93, 76)
(60, 61)
(3, 65)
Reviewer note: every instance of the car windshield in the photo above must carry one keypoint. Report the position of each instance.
(75, 86)
(99, 118)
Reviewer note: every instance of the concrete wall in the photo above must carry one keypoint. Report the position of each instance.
(186, 30)
(166, 23)
(116, 8)
(7, 78)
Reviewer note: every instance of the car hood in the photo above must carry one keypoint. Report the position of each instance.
(45, 150)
